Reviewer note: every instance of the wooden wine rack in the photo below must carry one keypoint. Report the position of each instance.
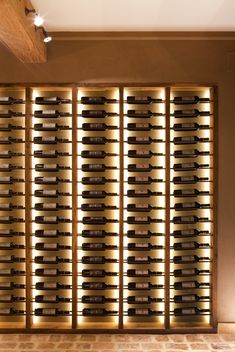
(165, 206)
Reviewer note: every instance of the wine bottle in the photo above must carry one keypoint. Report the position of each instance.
(142, 127)
(97, 167)
(51, 299)
(190, 166)
(95, 154)
(189, 140)
(142, 100)
(49, 127)
(142, 246)
(11, 272)
(189, 233)
(96, 220)
(190, 311)
(190, 245)
(49, 154)
(51, 312)
(189, 298)
(97, 194)
(142, 113)
(97, 260)
(97, 247)
(142, 167)
(51, 260)
(8, 154)
(142, 260)
(9, 127)
(141, 193)
(97, 273)
(142, 286)
(10, 206)
(10, 220)
(189, 179)
(51, 246)
(10, 180)
(50, 167)
(189, 153)
(97, 233)
(49, 193)
(51, 220)
(97, 312)
(50, 206)
(97, 180)
(190, 113)
(142, 180)
(51, 286)
(97, 127)
(9, 140)
(190, 272)
(191, 126)
(189, 100)
(51, 101)
(10, 167)
(51, 233)
(11, 259)
(142, 300)
(97, 286)
(97, 140)
(10, 101)
(10, 246)
(142, 140)
(11, 298)
(10, 113)
(9, 193)
(97, 100)
(50, 113)
(50, 180)
(142, 312)
(98, 113)
(96, 207)
(190, 206)
(189, 219)
(142, 220)
(142, 273)
(97, 299)
(187, 259)
(185, 285)
(10, 286)
(141, 234)
(49, 140)
(11, 311)
(140, 207)
(52, 272)
(141, 154)
(191, 192)
(10, 233)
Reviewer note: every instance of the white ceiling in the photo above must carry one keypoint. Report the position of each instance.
(137, 15)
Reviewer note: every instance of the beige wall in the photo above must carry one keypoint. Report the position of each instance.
(147, 61)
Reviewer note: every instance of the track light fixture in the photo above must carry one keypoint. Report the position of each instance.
(38, 22)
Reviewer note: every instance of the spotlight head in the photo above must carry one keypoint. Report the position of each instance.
(47, 39)
(38, 21)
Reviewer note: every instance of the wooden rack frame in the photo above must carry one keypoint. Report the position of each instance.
(121, 327)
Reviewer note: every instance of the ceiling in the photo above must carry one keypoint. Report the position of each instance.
(137, 15)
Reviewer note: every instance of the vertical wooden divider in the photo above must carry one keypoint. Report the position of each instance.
(74, 208)
(167, 214)
(214, 174)
(121, 196)
(28, 205)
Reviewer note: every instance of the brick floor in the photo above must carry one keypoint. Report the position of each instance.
(122, 343)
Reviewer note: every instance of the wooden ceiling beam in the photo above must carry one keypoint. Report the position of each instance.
(18, 33)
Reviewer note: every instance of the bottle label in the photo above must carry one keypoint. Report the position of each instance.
(142, 152)
(49, 259)
(5, 191)
(188, 298)
(142, 285)
(189, 205)
(49, 112)
(5, 179)
(188, 311)
(50, 245)
(145, 99)
(187, 232)
(51, 192)
(142, 179)
(141, 191)
(141, 259)
(141, 311)
(5, 285)
(5, 311)
(5, 232)
(188, 139)
(95, 299)
(141, 272)
(141, 218)
(50, 99)
(188, 258)
(94, 205)
(49, 205)
(4, 98)
(95, 246)
(5, 271)
(188, 272)
(4, 139)
(142, 125)
(5, 205)
(5, 245)
(49, 125)
(48, 311)
(49, 179)
(187, 219)
(141, 232)
(50, 271)
(141, 206)
(5, 152)
(50, 232)
(187, 165)
(50, 166)
(143, 299)
(187, 245)
(188, 112)
(48, 139)
(188, 125)
(5, 218)
(50, 285)
(142, 166)
(186, 192)
(5, 166)
(5, 298)
(187, 178)
(186, 98)
(141, 245)
(94, 285)
(142, 139)
(48, 298)
(188, 284)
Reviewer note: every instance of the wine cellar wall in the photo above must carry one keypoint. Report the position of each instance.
(108, 208)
